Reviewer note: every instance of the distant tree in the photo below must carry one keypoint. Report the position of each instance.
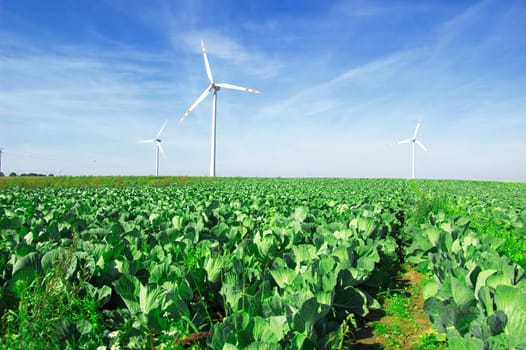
(12, 173)
(1, 174)
(51, 174)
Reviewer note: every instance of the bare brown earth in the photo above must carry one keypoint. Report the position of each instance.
(410, 330)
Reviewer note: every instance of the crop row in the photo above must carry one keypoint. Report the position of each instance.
(231, 263)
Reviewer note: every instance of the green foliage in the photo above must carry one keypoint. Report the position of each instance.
(53, 309)
(242, 263)
(343, 339)
(494, 209)
(398, 305)
(471, 297)
(430, 341)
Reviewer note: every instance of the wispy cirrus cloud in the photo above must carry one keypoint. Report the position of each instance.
(232, 54)
(64, 95)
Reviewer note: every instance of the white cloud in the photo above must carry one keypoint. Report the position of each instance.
(232, 55)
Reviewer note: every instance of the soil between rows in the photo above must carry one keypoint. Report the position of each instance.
(410, 330)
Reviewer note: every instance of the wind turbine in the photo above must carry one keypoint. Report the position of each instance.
(414, 140)
(158, 147)
(215, 87)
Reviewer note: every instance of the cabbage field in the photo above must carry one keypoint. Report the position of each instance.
(239, 263)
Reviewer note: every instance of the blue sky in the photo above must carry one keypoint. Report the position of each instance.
(82, 81)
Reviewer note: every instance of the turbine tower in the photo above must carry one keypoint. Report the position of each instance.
(158, 147)
(414, 140)
(215, 87)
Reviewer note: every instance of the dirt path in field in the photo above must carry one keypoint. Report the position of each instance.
(403, 332)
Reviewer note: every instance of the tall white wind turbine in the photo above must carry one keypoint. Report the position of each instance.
(158, 147)
(414, 140)
(215, 87)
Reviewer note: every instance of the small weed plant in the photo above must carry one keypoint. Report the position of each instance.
(50, 313)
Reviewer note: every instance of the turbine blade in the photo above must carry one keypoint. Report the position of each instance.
(207, 65)
(145, 141)
(421, 146)
(198, 101)
(162, 128)
(403, 141)
(235, 87)
(159, 146)
(417, 127)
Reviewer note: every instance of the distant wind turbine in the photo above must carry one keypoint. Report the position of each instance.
(414, 140)
(215, 87)
(158, 147)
